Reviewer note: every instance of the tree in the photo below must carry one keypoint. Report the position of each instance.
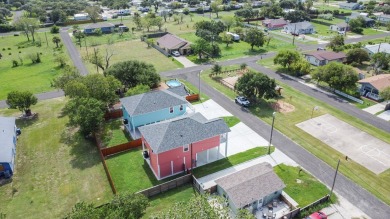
(254, 37)
(60, 59)
(228, 21)
(58, 15)
(137, 20)
(286, 58)
(301, 67)
(296, 16)
(21, 100)
(155, 4)
(165, 15)
(139, 89)
(337, 75)
(132, 73)
(356, 25)
(245, 214)
(288, 4)
(216, 69)
(357, 55)
(76, 88)
(69, 74)
(99, 60)
(28, 26)
(86, 113)
(54, 29)
(79, 35)
(381, 60)
(209, 30)
(200, 47)
(226, 38)
(32, 27)
(56, 40)
(272, 11)
(215, 6)
(83, 210)
(256, 86)
(385, 94)
(93, 13)
(336, 43)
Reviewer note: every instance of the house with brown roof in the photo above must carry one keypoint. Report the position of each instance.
(321, 57)
(252, 188)
(273, 24)
(170, 43)
(370, 87)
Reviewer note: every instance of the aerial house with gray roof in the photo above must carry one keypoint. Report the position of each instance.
(8, 137)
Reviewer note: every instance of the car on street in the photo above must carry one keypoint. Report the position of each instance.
(176, 53)
(317, 215)
(240, 100)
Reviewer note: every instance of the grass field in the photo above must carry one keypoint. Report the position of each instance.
(164, 201)
(32, 77)
(231, 120)
(55, 167)
(132, 50)
(114, 133)
(379, 185)
(301, 186)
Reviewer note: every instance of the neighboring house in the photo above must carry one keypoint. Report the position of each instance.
(304, 27)
(384, 18)
(368, 22)
(174, 146)
(105, 27)
(81, 17)
(370, 87)
(151, 107)
(341, 27)
(273, 24)
(8, 139)
(251, 188)
(321, 57)
(350, 6)
(170, 43)
(373, 49)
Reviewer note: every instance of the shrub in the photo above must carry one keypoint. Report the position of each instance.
(20, 51)
(9, 53)
(6, 28)
(15, 63)
(3, 49)
(9, 48)
(54, 29)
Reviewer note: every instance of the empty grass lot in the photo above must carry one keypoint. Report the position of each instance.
(114, 133)
(379, 185)
(162, 202)
(55, 167)
(132, 50)
(32, 77)
(301, 186)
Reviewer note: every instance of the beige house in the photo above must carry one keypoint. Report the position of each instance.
(170, 43)
(319, 58)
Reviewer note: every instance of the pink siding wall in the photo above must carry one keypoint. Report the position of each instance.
(153, 156)
(176, 155)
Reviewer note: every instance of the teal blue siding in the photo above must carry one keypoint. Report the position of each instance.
(153, 117)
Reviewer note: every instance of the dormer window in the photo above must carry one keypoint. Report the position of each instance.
(181, 107)
(170, 109)
(186, 148)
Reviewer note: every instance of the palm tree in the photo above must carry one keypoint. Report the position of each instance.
(217, 69)
(56, 40)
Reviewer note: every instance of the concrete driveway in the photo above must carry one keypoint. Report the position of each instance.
(184, 61)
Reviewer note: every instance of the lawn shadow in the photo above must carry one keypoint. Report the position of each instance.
(24, 123)
(84, 151)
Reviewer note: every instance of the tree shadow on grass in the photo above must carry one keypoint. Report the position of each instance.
(24, 123)
(255, 51)
(84, 151)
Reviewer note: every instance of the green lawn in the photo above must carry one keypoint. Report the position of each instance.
(131, 173)
(231, 120)
(27, 76)
(379, 185)
(333, 21)
(134, 49)
(231, 161)
(114, 133)
(240, 49)
(166, 200)
(302, 187)
(55, 167)
(194, 89)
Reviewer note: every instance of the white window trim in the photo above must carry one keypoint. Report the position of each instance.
(181, 108)
(186, 146)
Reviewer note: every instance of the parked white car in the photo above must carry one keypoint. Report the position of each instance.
(242, 101)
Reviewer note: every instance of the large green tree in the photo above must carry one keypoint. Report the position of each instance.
(209, 30)
(132, 73)
(21, 100)
(215, 6)
(337, 75)
(200, 47)
(93, 13)
(226, 38)
(357, 55)
(256, 86)
(356, 25)
(28, 26)
(296, 16)
(254, 37)
(228, 21)
(336, 43)
(286, 58)
(381, 60)
(68, 74)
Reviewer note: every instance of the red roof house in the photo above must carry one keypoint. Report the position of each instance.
(321, 57)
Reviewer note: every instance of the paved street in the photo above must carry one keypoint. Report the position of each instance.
(345, 187)
(73, 52)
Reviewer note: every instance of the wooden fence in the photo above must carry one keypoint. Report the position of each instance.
(114, 114)
(155, 190)
(121, 147)
(192, 97)
(97, 142)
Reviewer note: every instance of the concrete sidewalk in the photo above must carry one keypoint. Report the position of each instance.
(184, 61)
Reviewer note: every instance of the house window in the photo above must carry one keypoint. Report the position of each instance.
(222, 138)
(181, 107)
(170, 109)
(186, 148)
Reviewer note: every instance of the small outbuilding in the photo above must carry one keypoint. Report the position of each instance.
(8, 137)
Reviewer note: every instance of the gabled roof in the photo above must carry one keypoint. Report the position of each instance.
(356, 15)
(326, 55)
(168, 135)
(179, 90)
(99, 25)
(151, 101)
(346, 4)
(380, 82)
(279, 21)
(171, 41)
(342, 24)
(7, 133)
(385, 47)
(252, 183)
(300, 25)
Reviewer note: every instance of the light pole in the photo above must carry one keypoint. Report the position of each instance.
(272, 130)
(314, 108)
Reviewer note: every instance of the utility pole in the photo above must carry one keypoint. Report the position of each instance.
(272, 130)
(47, 42)
(379, 47)
(95, 53)
(199, 83)
(334, 179)
(295, 28)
